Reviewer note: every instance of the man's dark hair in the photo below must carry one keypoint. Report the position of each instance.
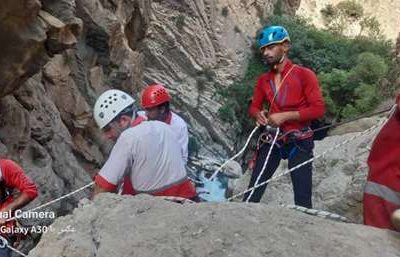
(165, 105)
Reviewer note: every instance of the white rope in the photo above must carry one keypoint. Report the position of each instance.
(176, 199)
(17, 251)
(265, 164)
(316, 157)
(319, 213)
(236, 155)
(56, 200)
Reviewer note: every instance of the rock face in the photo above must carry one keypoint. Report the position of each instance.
(29, 38)
(31, 130)
(146, 226)
(60, 55)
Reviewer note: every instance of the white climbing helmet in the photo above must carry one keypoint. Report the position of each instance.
(109, 105)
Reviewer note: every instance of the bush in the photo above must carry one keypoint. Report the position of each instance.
(350, 13)
(225, 11)
(180, 21)
(193, 147)
(370, 68)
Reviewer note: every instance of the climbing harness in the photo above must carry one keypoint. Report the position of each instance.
(265, 164)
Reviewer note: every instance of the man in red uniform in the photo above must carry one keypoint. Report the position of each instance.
(12, 177)
(382, 190)
(294, 98)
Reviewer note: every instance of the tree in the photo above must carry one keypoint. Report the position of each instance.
(350, 14)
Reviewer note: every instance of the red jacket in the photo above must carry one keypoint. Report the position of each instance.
(382, 190)
(300, 92)
(13, 177)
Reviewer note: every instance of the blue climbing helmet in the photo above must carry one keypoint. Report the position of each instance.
(272, 35)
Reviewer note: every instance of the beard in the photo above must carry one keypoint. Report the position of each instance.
(272, 61)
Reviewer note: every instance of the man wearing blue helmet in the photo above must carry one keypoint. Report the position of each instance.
(294, 98)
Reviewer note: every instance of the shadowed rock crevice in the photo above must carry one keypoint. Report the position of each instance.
(135, 29)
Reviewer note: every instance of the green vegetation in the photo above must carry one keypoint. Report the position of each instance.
(278, 8)
(239, 95)
(237, 29)
(225, 11)
(193, 147)
(350, 14)
(350, 70)
(179, 21)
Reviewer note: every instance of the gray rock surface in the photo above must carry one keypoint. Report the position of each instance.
(145, 226)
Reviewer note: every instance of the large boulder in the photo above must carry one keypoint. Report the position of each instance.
(145, 226)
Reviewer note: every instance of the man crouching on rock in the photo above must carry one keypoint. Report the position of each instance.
(148, 153)
(12, 177)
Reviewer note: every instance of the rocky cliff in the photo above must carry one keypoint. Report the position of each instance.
(58, 56)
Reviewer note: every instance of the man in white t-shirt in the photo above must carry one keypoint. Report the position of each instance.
(156, 103)
(148, 153)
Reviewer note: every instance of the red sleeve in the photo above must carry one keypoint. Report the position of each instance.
(258, 98)
(103, 183)
(312, 92)
(138, 120)
(14, 177)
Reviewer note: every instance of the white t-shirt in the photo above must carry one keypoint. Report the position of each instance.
(149, 154)
(180, 128)
(181, 131)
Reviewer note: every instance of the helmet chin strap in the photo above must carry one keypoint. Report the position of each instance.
(275, 66)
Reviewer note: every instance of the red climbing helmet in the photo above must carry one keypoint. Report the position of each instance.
(154, 95)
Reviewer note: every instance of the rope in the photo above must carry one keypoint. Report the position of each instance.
(265, 164)
(351, 120)
(17, 251)
(56, 200)
(316, 157)
(319, 213)
(176, 199)
(236, 155)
